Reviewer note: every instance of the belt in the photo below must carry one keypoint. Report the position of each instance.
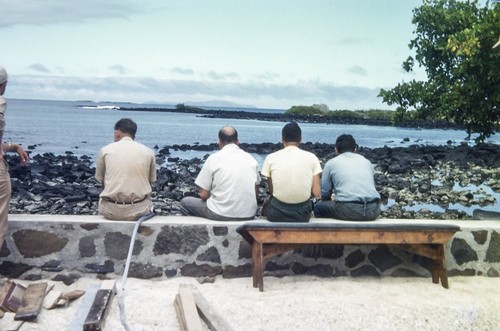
(123, 202)
(361, 202)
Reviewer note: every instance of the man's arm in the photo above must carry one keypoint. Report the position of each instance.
(270, 185)
(203, 194)
(152, 169)
(257, 191)
(100, 168)
(316, 186)
(9, 147)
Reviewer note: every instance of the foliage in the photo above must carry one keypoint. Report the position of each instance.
(453, 43)
(372, 114)
(307, 110)
(344, 113)
(181, 106)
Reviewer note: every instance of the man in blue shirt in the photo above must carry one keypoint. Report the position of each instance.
(350, 177)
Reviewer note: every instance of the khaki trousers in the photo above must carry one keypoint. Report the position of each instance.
(121, 212)
(5, 190)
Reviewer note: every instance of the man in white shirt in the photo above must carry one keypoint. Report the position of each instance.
(126, 169)
(228, 183)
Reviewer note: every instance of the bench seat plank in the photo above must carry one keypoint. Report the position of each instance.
(269, 239)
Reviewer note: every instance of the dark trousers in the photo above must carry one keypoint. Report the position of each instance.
(347, 211)
(278, 211)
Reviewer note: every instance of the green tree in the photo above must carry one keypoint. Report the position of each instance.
(308, 110)
(454, 43)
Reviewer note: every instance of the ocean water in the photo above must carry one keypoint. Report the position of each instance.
(83, 127)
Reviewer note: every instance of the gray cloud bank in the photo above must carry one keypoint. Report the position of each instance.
(152, 90)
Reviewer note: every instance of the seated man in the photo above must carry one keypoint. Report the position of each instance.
(293, 177)
(126, 169)
(351, 176)
(228, 183)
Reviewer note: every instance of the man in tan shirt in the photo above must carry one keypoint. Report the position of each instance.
(126, 169)
(5, 186)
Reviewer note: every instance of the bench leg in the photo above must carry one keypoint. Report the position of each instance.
(443, 274)
(258, 265)
(438, 269)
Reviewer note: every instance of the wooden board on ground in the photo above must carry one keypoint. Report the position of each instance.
(83, 308)
(208, 314)
(97, 314)
(51, 299)
(11, 296)
(185, 307)
(32, 302)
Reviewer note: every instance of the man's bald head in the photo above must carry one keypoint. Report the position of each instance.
(228, 135)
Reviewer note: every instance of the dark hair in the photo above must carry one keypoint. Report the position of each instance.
(291, 133)
(126, 125)
(228, 135)
(345, 143)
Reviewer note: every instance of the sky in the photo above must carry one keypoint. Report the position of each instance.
(259, 53)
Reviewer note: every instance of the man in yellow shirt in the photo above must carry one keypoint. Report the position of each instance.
(293, 177)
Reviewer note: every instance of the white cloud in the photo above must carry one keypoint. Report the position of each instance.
(43, 12)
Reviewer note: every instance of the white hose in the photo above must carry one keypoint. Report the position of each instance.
(121, 285)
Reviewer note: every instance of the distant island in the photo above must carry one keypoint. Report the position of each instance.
(303, 114)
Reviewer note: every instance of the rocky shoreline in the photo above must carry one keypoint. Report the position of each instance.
(283, 117)
(409, 179)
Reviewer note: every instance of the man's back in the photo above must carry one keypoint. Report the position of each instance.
(292, 171)
(127, 170)
(230, 175)
(351, 176)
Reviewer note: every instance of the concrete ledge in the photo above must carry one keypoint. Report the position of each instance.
(67, 247)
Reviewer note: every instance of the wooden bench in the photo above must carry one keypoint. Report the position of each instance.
(269, 239)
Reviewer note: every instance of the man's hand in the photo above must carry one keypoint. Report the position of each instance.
(9, 147)
(203, 194)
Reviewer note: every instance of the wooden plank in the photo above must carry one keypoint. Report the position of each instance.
(180, 314)
(11, 296)
(32, 302)
(275, 249)
(430, 251)
(100, 307)
(83, 309)
(5, 292)
(50, 301)
(209, 315)
(187, 314)
(349, 236)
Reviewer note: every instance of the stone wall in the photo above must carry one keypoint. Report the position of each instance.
(65, 248)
